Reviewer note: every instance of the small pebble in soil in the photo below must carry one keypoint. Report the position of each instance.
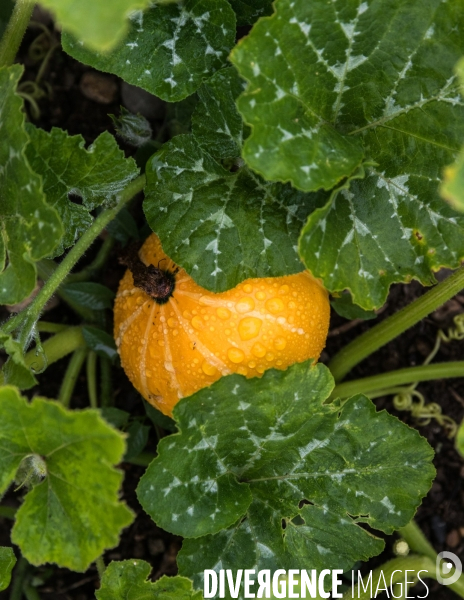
(99, 88)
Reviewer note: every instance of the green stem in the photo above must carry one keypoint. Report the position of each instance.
(19, 576)
(92, 378)
(70, 378)
(14, 33)
(96, 265)
(377, 383)
(101, 567)
(31, 592)
(400, 565)
(57, 347)
(47, 327)
(7, 512)
(106, 395)
(381, 334)
(32, 313)
(417, 541)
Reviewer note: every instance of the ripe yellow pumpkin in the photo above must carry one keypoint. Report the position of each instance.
(188, 337)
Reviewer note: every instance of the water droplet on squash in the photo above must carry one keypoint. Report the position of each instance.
(249, 328)
(252, 364)
(261, 295)
(269, 356)
(235, 355)
(223, 313)
(280, 343)
(208, 369)
(275, 305)
(247, 288)
(242, 371)
(171, 322)
(284, 289)
(245, 305)
(197, 322)
(260, 369)
(258, 350)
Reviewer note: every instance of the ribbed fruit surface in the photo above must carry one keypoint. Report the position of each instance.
(172, 350)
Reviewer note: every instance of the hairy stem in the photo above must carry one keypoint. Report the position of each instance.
(57, 347)
(96, 265)
(70, 378)
(381, 334)
(92, 378)
(27, 320)
(373, 386)
(14, 33)
(417, 541)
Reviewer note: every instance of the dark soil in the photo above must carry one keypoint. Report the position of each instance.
(441, 515)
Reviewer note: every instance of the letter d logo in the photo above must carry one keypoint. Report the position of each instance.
(443, 568)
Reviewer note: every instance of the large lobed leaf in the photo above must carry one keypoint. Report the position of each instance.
(222, 225)
(73, 512)
(30, 228)
(127, 580)
(96, 174)
(293, 477)
(169, 49)
(99, 23)
(329, 82)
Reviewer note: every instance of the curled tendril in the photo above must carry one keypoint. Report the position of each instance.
(408, 398)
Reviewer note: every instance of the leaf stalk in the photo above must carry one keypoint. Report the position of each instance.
(370, 341)
(14, 33)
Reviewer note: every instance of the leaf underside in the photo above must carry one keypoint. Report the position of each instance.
(96, 175)
(74, 513)
(30, 228)
(288, 475)
(127, 580)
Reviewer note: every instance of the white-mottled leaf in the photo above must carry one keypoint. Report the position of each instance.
(169, 49)
(99, 23)
(314, 472)
(221, 226)
(381, 75)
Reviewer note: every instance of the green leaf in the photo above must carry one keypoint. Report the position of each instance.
(345, 308)
(137, 440)
(248, 11)
(7, 562)
(291, 98)
(157, 417)
(329, 59)
(127, 580)
(100, 342)
(74, 514)
(169, 49)
(221, 226)
(452, 187)
(30, 228)
(97, 175)
(216, 123)
(123, 227)
(460, 439)
(15, 370)
(89, 294)
(98, 23)
(314, 472)
(115, 416)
